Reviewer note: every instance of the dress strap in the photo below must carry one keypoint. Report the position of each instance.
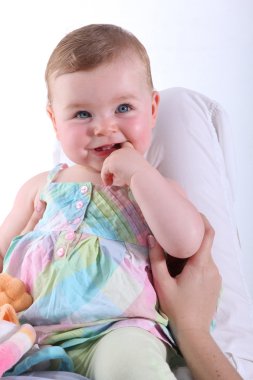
(54, 172)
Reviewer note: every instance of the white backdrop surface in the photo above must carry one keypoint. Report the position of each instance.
(203, 45)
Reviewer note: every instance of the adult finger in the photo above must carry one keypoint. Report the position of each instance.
(158, 262)
(36, 216)
(203, 255)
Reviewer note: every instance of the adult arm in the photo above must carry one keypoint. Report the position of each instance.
(190, 300)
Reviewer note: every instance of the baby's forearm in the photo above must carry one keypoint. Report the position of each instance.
(172, 218)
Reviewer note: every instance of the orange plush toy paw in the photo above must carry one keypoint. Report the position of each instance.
(13, 292)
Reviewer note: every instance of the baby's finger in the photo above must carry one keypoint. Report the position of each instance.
(127, 144)
(106, 175)
(107, 178)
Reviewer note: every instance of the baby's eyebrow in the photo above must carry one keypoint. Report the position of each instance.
(77, 106)
(125, 97)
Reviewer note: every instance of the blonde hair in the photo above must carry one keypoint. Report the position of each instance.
(92, 45)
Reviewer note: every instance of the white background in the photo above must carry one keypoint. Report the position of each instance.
(205, 45)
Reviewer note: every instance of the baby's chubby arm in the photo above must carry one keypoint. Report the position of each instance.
(172, 218)
(21, 212)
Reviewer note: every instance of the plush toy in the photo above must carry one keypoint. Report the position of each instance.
(8, 313)
(13, 292)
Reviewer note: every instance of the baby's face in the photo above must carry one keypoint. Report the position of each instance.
(95, 111)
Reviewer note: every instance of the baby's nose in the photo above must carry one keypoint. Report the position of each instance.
(105, 127)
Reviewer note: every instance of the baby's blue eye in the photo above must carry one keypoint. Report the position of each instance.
(122, 108)
(83, 115)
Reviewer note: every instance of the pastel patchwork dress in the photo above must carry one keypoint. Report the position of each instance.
(86, 265)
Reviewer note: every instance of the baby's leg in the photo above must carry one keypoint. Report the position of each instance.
(130, 354)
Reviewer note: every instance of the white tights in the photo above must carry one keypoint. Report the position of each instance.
(125, 354)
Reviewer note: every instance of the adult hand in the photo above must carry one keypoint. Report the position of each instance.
(189, 299)
(37, 214)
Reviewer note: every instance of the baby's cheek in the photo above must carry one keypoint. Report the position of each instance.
(139, 133)
(142, 143)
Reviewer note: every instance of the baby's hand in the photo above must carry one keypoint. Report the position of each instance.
(121, 165)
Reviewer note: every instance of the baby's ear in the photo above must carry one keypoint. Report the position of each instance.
(155, 104)
(50, 113)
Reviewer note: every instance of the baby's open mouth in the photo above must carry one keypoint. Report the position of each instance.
(104, 148)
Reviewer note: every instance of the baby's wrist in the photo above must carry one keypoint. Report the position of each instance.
(144, 173)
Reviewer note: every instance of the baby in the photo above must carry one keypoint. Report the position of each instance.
(86, 263)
